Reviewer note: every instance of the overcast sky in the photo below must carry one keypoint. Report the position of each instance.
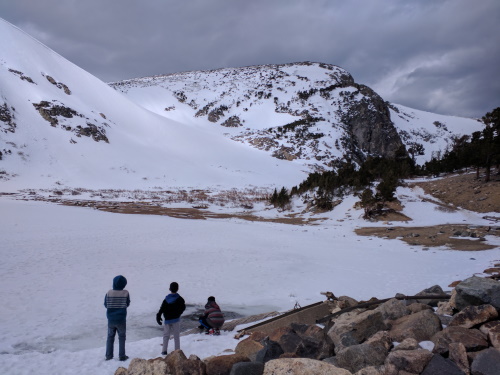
(441, 56)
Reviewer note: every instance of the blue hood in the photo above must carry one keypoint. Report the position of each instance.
(119, 282)
(172, 297)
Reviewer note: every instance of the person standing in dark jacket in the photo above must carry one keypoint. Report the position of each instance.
(172, 308)
(212, 317)
(116, 302)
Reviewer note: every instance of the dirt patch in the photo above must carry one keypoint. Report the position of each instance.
(465, 191)
(455, 237)
(146, 208)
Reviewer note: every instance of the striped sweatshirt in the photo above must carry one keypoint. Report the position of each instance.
(117, 300)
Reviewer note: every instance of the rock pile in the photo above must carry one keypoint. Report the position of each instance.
(459, 336)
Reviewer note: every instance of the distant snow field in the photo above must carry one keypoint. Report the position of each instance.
(59, 261)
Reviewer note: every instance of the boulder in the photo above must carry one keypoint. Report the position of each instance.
(476, 291)
(474, 315)
(121, 371)
(313, 335)
(248, 348)
(271, 350)
(420, 326)
(247, 368)
(393, 309)
(411, 361)
(301, 366)
(139, 366)
(472, 339)
(178, 364)
(370, 353)
(433, 290)
(356, 329)
(458, 355)
(287, 338)
(442, 366)
(486, 363)
(221, 365)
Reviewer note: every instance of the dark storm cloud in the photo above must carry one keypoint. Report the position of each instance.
(436, 55)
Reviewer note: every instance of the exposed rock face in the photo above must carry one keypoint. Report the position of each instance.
(59, 85)
(7, 117)
(55, 114)
(369, 122)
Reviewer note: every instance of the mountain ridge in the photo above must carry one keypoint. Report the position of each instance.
(230, 127)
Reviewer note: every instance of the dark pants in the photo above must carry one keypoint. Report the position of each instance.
(121, 328)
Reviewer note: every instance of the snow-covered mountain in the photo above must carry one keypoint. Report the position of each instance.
(260, 126)
(312, 112)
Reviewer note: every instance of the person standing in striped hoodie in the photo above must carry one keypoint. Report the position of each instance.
(116, 302)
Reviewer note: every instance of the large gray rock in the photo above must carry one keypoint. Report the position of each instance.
(301, 366)
(356, 329)
(271, 350)
(357, 357)
(420, 326)
(476, 291)
(473, 339)
(411, 361)
(486, 363)
(474, 315)
(393, 309)
(441, 366)
(288, 339)
(433, 290)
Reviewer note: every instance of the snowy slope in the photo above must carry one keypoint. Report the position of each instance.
(93, 136)
(434, 132)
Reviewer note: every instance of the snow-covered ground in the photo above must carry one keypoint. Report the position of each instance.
(59, 261)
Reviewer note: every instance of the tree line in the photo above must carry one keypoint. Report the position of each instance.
(481, 149)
